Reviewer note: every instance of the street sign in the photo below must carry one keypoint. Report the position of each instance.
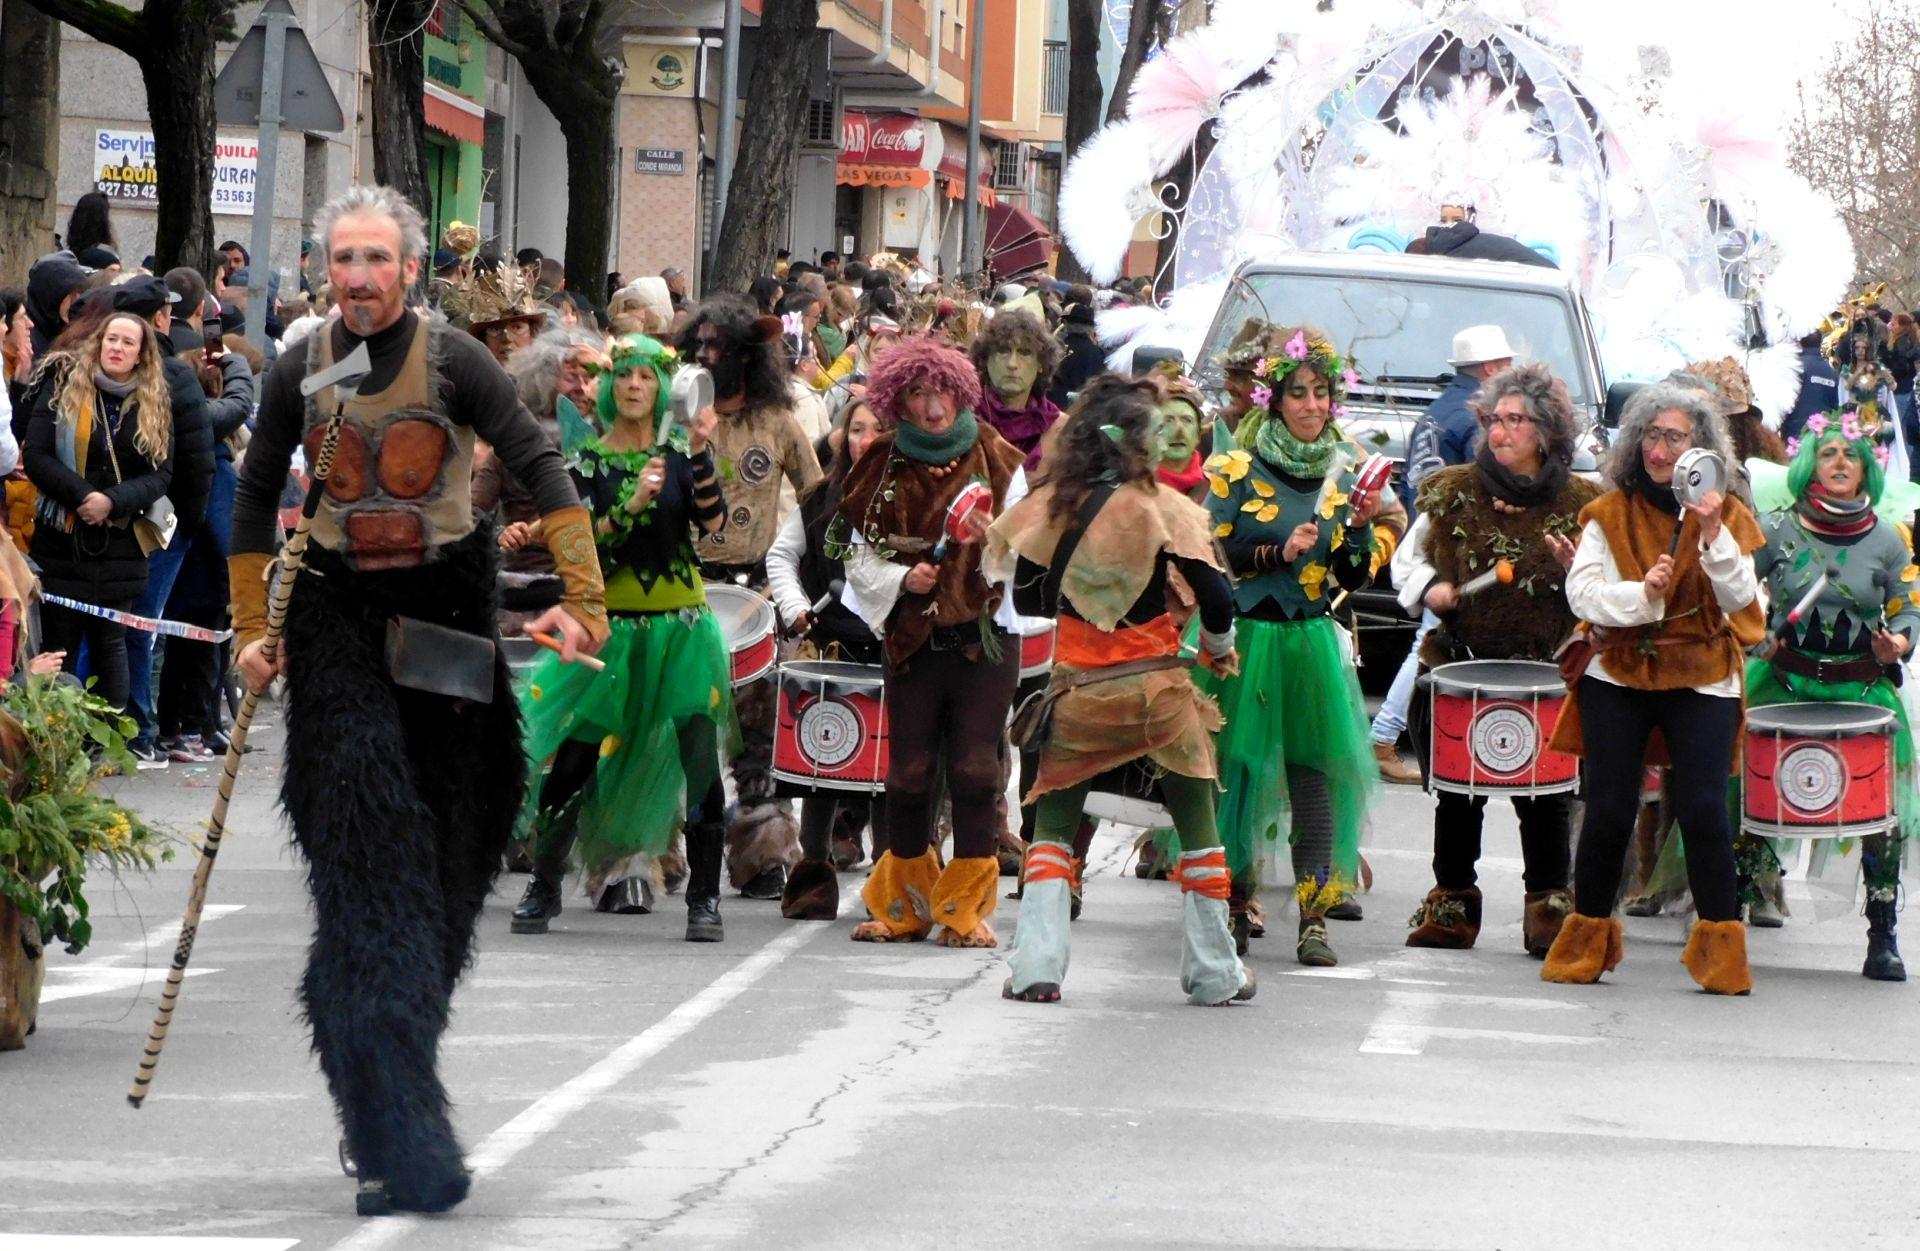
(659, 161)
(306, 100)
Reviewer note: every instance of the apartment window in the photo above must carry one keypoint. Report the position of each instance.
(823, 125)
(444, 20)
(1054, 101)
(1009, 168)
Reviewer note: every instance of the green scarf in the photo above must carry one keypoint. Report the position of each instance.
(937, 449)
(1279, 448)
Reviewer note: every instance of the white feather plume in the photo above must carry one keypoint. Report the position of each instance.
(1775, 375)
(1107, 185)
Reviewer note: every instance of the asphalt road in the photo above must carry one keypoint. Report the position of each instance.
(616, 1086)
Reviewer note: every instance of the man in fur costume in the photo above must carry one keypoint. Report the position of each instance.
(951, 659)
(762, 440)
(1517, 488)
(402, 800)
(1016, 357)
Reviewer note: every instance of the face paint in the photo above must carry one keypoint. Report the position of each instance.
(1179, 428)
(1013, 372)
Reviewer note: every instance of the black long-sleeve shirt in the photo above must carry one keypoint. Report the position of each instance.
(474, 391)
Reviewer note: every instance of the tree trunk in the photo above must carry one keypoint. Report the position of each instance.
(179, 82)
(1143, 31)
(582, 100)
(29, 134)
(759, 197)
(1083, 103)
(397, 49)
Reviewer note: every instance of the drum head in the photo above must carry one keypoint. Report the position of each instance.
(1498, 677)
(1697, 472)
(1809, 720)
(744, 616)
(831, 673)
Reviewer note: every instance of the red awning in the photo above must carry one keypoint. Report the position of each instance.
(882, 139)
(453, 121)
(1016, 241)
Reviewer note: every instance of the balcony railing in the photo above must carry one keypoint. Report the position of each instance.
(1054, 103)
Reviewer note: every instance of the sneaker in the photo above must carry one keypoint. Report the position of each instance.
(146, 754)
(189, 749)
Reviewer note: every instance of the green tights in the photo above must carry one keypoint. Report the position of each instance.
(1190, 801)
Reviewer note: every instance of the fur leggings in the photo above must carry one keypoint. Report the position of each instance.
(401, 803)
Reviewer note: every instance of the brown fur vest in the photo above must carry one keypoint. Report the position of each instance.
(899, 506)
(1525, 620)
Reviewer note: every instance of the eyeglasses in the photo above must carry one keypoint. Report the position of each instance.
(1510, 421)
(1676, 440)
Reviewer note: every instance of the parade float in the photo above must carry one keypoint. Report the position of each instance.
(1630, 144)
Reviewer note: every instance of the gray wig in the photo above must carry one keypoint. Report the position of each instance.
(369, 199)
(1623, 467)
(1547, 403)
(535, 369)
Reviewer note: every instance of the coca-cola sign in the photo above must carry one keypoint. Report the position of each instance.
(882, 138)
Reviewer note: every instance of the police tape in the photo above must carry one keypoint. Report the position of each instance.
(152, 625)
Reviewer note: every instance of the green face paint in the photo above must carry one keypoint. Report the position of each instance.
(1013, 372)
(1178, 430)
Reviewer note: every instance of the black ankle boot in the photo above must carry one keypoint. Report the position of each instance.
(703, 920)
(1883, 953)
(539, 905)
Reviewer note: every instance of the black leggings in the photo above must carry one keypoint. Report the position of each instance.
(822, 809)
(64, 629)
(946, 710)
(1545, 839)
(1615, 722)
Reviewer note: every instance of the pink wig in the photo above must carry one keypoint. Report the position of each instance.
(920, 360)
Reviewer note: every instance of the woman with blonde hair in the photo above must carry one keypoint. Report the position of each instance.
(100, 451)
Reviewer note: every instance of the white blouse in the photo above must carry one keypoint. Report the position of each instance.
(1598, 595)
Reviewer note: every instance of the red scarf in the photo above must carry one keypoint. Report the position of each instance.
(1184, 480)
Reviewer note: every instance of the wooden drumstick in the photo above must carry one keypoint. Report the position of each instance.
(1502, 573)
(552, 644)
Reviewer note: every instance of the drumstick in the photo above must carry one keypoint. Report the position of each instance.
(1502, 572)
(552, 644)
(1814, 592)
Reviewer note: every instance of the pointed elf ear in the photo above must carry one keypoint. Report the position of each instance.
(767, 329)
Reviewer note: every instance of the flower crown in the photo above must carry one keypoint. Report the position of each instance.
(1270, 372)
(625, 355)
(1853, 425)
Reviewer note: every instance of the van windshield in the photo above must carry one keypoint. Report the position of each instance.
(1403, 329)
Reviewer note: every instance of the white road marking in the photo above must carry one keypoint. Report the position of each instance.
(1405, 1025)
(547, 1112)
(138, 1242)
(127, 965)
(77, 981)
(1401, 1028)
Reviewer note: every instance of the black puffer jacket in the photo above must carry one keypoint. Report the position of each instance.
(1467, 242)
(97, 564)
(192, 443)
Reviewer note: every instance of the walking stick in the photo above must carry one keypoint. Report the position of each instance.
(345, 378)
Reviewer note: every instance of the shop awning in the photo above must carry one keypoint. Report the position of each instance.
(880, 175)
(453, 116)
(1017, 241)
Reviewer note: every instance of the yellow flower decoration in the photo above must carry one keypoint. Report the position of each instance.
(535, 691)
(1332, 501)
(1222, 530)
(1895, 605)
(1267, 513)
(1262, 489)
(1313, 580)
(609, 745)
(1252, 506)
(1218, 485)
(713, 698)
(1910, 573)
(1339, 536)
(1914, 598)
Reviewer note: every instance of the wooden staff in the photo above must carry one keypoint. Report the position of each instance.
(291, 559)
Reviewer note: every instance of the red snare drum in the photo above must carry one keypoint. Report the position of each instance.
(1036, 650)
(746, 618)
(1491, 723)
(831, 731)
(1818, 771)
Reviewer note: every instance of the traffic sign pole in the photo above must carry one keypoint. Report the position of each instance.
(276, 17)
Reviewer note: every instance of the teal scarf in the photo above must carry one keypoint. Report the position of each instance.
(1279, 448)
(937, 449)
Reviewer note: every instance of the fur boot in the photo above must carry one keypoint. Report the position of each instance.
(1540, 923)
(1585, 948)
(762, 837)
(1446, 918)
(896, 894)
(1716, 955)
(812, 892)
(963, 898)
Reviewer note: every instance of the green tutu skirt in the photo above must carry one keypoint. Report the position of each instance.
(665, 673)
(1296, 701)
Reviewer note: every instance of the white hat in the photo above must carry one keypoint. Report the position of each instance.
(1476, 345)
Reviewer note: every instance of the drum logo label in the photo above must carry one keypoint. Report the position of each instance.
(1505, 739)
(830, 732)
(1812, 778)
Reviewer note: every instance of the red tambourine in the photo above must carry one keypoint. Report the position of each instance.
(974, 505)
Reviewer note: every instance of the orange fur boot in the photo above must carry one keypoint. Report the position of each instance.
(963, 898)
(897, 895)
(1716, 955)
(1585, 948)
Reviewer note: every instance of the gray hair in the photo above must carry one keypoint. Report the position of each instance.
(370, 199)
(1546, 401)
(535, 368)
(1623, 465)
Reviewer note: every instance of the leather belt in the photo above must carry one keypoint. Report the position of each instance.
(1828, 669)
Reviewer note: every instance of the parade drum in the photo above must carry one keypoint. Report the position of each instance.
(1818, 771)
(1491, 723)
(831, 730)
(747, 620)
(1036, 649)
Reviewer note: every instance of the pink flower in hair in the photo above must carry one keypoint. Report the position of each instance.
(1261, 396)
(1265, 368)
(1850, 426)
(1350, 378)
(1793, 447)
(1338, 410)
(1297, 346)
(1817, 424)
(1882, 454)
